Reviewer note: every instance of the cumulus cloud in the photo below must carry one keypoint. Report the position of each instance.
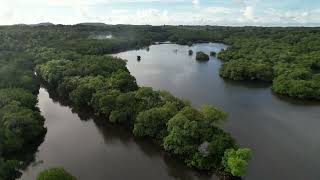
(196, 2)
(239, 12)
(291, 17)
(248, 13)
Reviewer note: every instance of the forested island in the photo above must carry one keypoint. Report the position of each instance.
(77, 67)
(201, 56)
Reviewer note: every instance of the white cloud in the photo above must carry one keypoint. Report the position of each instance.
(71, 3)
(216, 10)
(196, 2)
(248, 13)
(6, 13)
(292, 17)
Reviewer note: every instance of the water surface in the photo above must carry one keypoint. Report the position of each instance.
(282, 133)
(94, 150)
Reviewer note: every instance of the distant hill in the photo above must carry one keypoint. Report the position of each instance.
(43, 24)
(92, 24)
(39, 24)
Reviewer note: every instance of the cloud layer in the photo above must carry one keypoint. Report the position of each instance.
(159, 12)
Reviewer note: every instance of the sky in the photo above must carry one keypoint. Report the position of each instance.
(160, 12)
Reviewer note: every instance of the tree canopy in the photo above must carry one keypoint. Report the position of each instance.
(201, 56)
(55, 174)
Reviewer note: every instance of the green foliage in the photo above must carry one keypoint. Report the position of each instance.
(213, 115)
(247, 70)
(122, 81)
(148, 98)
(86, 87)
(201, 56)
(19, 125)
(26, 98)
(236, 161)
(104, 102)
(152, 122)
(20, 121)
(125, 109)
(55, 174)
(168, 97)
(288, 57)
(194, 136)
(8, 169)
(16, 72)
(210, 153)
(183, 136)
(296, 81)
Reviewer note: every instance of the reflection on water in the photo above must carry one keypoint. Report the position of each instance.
(93, 149)
(282, 133)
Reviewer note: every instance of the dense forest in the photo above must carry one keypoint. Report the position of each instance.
(20, 121)
(287, 57)
(73, 61)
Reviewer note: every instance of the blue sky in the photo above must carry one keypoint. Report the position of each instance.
(159, 12)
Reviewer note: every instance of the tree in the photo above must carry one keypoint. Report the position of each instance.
(122, 81)
(19, 126)
(201, 56)
(86, 87)
(236, 161)
(247, 70)
(26, 98)
(125, 110)
(147, 98)
(213, 115)
(168, 97)
(182, 136)
(184, 132)
(209, 154)
(152, 122)
(8, 169)
(103, 102)
(55, 174)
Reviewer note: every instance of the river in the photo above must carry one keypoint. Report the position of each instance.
(282, 133)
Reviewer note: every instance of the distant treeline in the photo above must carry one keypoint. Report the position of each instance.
(288, 57)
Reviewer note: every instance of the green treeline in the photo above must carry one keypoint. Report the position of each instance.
(288, 57)
(247, 70)
(104, 84)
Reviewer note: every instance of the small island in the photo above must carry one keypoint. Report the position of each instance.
(201, 56)
(190, 52)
